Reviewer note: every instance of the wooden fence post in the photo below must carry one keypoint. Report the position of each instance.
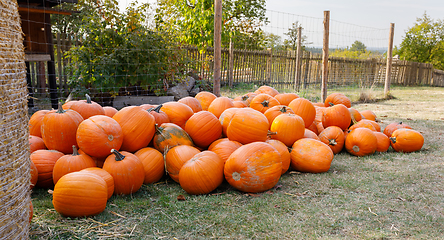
(269, 65)
(388, 71)
(325, 56)
(230, 64)
(217, 46)
(297, 80)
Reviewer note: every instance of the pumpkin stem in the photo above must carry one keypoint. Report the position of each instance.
(158, 128)
(331, 104)
(355, 148)
(157, 109)
(283, 109)
(60, 109)
(265, 103)
(119, 156)
(74, 150)
(332, 142)
(271, 133)
(88, 98)
(245, 97)
(393, 139)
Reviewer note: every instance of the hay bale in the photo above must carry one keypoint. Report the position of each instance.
(14, 145)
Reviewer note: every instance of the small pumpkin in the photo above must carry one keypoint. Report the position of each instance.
(333, 136)
(224, 148)
(286, 98)
(247, 126)
(35, 123)
(283, 151)
(205, 98)
(288, 128)
(103, 174)
(363, 124)
(44, 161)
(110, 111)
(262, 102)
(169, 135)
(356, 116)
(337, 98)
(383, 142)
(312, 156)
(368, 114)
(337, 115)
(204, 128)
(71, 163)
(159, 116)
(178, 113)
(393, 127)
(36, 143)
(267, 90)
(275, 111)
(239, 104)
(305, 109)
(361, 142)
(34, 174)
(192, 102)
(406, 140)
(225, 119)
(87, 108)
(153, 164)
(219, 105)
(310, 134)
(176, 157)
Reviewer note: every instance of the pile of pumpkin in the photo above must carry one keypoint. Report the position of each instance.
(88, 152)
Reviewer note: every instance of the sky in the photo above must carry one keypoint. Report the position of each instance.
(366, 21)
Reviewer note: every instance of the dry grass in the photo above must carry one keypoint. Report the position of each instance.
(383, 196)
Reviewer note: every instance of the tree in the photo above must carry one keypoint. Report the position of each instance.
(356, 50)
(358, 46)
(424, 42)
(292, 41)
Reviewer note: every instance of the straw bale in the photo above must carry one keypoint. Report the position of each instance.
(14, 145)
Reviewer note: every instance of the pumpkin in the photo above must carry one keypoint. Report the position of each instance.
(204, 128)
(305, 109)
(68, 104)
(218, 106)
(71, 163)
(59, 129)
(313, 128)
(274, 111)
(239, 104)
(97, 135)
(110, 111)
(127, 171)
(225, 119)
(383, 142)
(310, 134)
(363, 124)
(375, 124)
(337, 98)
(246, 98)
(103, 174)
(267, 90)
(406, 140)
(286, 98)
(319, 104)
(176, 157)
(394, 126)
(356, 116)
(178, 113)
(98, 161)
(368, 114)
(34, 174)
(312, 156)
(80, 194)
(137, 127)
(205, 99)
(224, 148)
(169, 135)
(147, 106)
(36, 143)
(283, 151)
(192, 102)
(262, 102)
(160, 116)
(318, 118)
(287, 128)
(247, 126)
(87, 108)
(35, 122)
(153, 164)
(334, 137)
(254, 167)
(361, 142)
(202, 174)
(338, 115)
(44, 161)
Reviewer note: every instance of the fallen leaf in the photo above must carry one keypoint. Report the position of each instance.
(277, 186)
(181, 198)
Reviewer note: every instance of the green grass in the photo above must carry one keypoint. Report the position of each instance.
(382, 196)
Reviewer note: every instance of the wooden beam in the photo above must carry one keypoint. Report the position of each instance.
(325, 56)
(43, 10)
(37, 57)
(217, 46)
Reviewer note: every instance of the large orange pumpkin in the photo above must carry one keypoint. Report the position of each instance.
(286, 98)
(205, 99)
(87, 108)
(337, 115)
(393, 127)
(169, 135)
(383, 142)
(192, 102)
(224, 148)
(337, 98)
(262, 102)
(283, 151)
(356, 116)
(178, 113)
(247, 126)
(202, 174)
(71, 163)
(105, 175)
(44, 161)
(361, 142)
(35, 123)
(287, 128)
(305, 109)
(274, 111)
(153, 164)
(309, 155)
(110, 111)
(176, 157)
(204, 128)
(368, 114)
(310, 134)
(333, 136)
(218, 106)
(254, 167)
(225, 119)
(406, 140)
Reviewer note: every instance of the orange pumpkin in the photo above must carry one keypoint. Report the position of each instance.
(286, 98)
(406, 140)
(205, 99)
(361, 142)
(34, 174)
(310, 134)
(254, 167)
(334, 137)
(153, 164)
(368, 114)
(176, 157)
(87, 108)
(283, 151)
(110, 111)
(305, 109)
(178, 113)
(375, 124)
(312, 156)
(363, 124)
(393, 127)
(35, 122)
(383, 142)
(313, 128)
(202, 174)
(247, 126)
(287, 128)
(105, 175)
(192, 102)
(239, 104)
(68, 104)
(169, 135)
(337, 98)
(36, 143)
(204, 128)
(274, 111)
(218, 106)
(44, 161)
(267, 90)
(225, 119)
(338, 115)
(356, 116)
(71, 163)
(160, 116)
(262, 102)
(224, 148)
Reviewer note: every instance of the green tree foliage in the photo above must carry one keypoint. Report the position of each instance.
(292, 34)
(117, 49)
(356, 50)
(192, 22)
(358, 46)
(424, 42)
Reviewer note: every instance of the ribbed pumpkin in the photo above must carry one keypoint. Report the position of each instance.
(287, 128)
(393, 127)
(247, 126)
(356, 116)
(368, 114)
(383, 142)
(262, 102)
(35, 122)
(333, 136)
(176, 157)
(80, 194)
(105, 175)
(71, 163)
(337, 98)
(337, 115)
(192, 102)
(363, 124)
(110, 111)
(218, 106)
(44, 161)
(406, 140)
(147, 106)
(202, 174)
(361, 142)
(153, 164)
(254, 167)
(204, 128)
(169, 135)
(224, 147)
(305, 109)
(178, 113)
(34, 174)
(286, 98)
(205, 99)
(99, 161)
(137, 127)
(318, 118)
(59, 129)
(267, 90)
(68, 104)
(97, 135)
(310, 134)
(313, 128)
(239, 104)
(375, 124)
(275, 111)
(159, 116)
(225, 118)
(246, 98)
(87, 108)
(36, 143)
(283, 151)
(312, 156)
(127, 171)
